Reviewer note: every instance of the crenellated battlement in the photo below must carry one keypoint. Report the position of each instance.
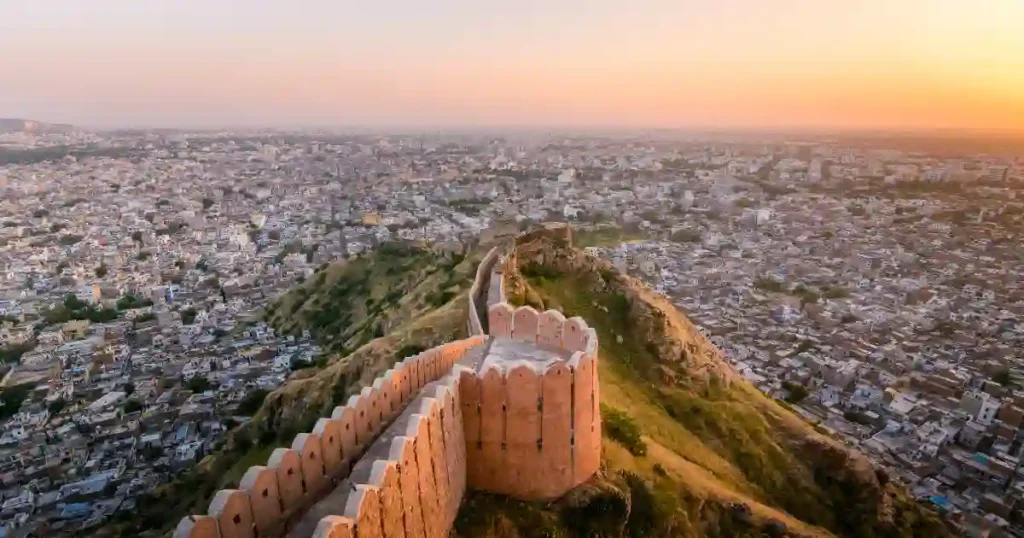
(271, 497)
(415, 488)
(481, 293)
(515, 411)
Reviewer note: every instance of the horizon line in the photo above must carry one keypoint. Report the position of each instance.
(497, 127)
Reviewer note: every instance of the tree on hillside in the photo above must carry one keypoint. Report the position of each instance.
(252, 402)
(796, 392)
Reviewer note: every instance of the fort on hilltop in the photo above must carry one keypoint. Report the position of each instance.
(513, 409)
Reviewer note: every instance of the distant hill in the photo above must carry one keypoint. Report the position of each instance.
(15, 125)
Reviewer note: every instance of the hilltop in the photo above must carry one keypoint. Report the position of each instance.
(14, 125)
(691, 449)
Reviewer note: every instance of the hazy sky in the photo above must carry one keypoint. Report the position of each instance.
(667, 63)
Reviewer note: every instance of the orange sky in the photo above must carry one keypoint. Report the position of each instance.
(666, 63)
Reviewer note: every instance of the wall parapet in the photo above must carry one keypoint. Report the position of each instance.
(533, 425)
(271, 496)
(412, 481)
(478, 292)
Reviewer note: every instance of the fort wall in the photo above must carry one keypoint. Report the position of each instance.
(271, 497)
(412, 480)
(514, 411)
(478, 291)
(533, 430)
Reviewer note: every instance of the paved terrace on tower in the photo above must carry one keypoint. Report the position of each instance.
(513, 409)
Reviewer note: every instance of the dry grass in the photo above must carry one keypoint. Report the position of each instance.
(699, 481)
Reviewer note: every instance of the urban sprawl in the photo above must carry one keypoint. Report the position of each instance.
(878, 292)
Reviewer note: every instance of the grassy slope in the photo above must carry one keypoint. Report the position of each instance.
(712, 440)
(361, 292)
(345, 305)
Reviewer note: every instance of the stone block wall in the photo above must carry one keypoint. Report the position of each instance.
(294, 478)
(533, 430)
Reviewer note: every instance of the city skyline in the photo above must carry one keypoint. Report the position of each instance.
(737, 64)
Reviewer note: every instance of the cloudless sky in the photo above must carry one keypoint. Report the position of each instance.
(664, 63)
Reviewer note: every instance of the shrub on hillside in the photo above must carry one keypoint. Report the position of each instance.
(252, 402)
(621, 428)
(796, 392)
(441, 298)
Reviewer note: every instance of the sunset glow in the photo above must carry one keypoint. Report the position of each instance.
(666, 63)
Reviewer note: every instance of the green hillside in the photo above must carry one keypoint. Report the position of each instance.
(346, 305)
(691, 449)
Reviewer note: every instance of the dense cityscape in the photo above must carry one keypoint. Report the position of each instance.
(877, 290)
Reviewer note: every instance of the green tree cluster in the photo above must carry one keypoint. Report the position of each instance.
(12, 398)
(129, 301)
(198, 384)
(252, 402)
(75, 309)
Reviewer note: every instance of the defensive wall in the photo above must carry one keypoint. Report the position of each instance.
(479, 290)
(514, 411)
(532, 422)
(271, 498)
